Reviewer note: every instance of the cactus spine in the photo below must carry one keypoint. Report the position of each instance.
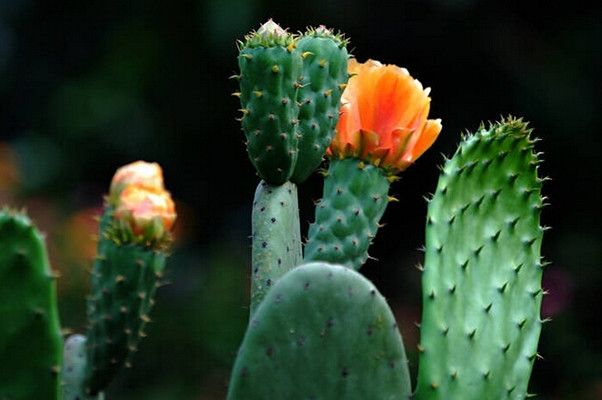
(30, 338)
(482, 274)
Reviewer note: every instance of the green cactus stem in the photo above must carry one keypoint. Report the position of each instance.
(124, 279)
(482, 272)
(322, 82)
(270, 66)
(74, 369)
(30, 338)
(276, 237)
(322, 332)
(346, 220)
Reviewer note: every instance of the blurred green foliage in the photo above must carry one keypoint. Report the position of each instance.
(87, 86)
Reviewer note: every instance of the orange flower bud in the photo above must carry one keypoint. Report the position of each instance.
(142, 174)
(149, 215)
(384, 117)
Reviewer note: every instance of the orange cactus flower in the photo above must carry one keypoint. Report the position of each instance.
(384, 117)
(140, 173)
(147, 214)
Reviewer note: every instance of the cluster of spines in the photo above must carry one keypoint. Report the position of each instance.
(124, 280)
(482, 275)
(347, 217)
(30, 338)
(269, 34)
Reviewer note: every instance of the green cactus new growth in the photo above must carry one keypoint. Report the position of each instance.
(270, 66)
(355, 197)
(276, 237)
(323, 80)
(322, 332)
(30, 338)
(482, 272)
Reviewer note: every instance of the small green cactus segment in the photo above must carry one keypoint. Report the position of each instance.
(323, 80)
(482, 274)
(270, 66)
(276, 237)
(354, 200)
(74, 368)
(30, 338)
(322, 332)
(123, 283)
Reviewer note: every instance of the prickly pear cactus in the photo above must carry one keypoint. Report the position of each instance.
(134, 235)
(355, 198)
(270, 66)
(124, 279)
(322, 332)
(276, 237)
(30, 338)
(482, 273)
(322, 82)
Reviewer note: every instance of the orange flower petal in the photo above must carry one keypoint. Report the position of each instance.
(384, 117)
(399, 141)
(430, 132)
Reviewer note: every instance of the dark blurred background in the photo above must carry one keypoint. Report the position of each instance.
(87, 86)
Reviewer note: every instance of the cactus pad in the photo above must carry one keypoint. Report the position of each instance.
(323, 80)
(482, 275)
(124, 280)
(322, 332)
(270, 66)
(276, 237)
(30, 338)
(74, 369)
(355, 198)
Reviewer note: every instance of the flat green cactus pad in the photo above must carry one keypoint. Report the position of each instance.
(322, 332)
(482, 274)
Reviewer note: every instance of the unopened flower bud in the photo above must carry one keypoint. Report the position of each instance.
(148, 215)
(140, 173)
